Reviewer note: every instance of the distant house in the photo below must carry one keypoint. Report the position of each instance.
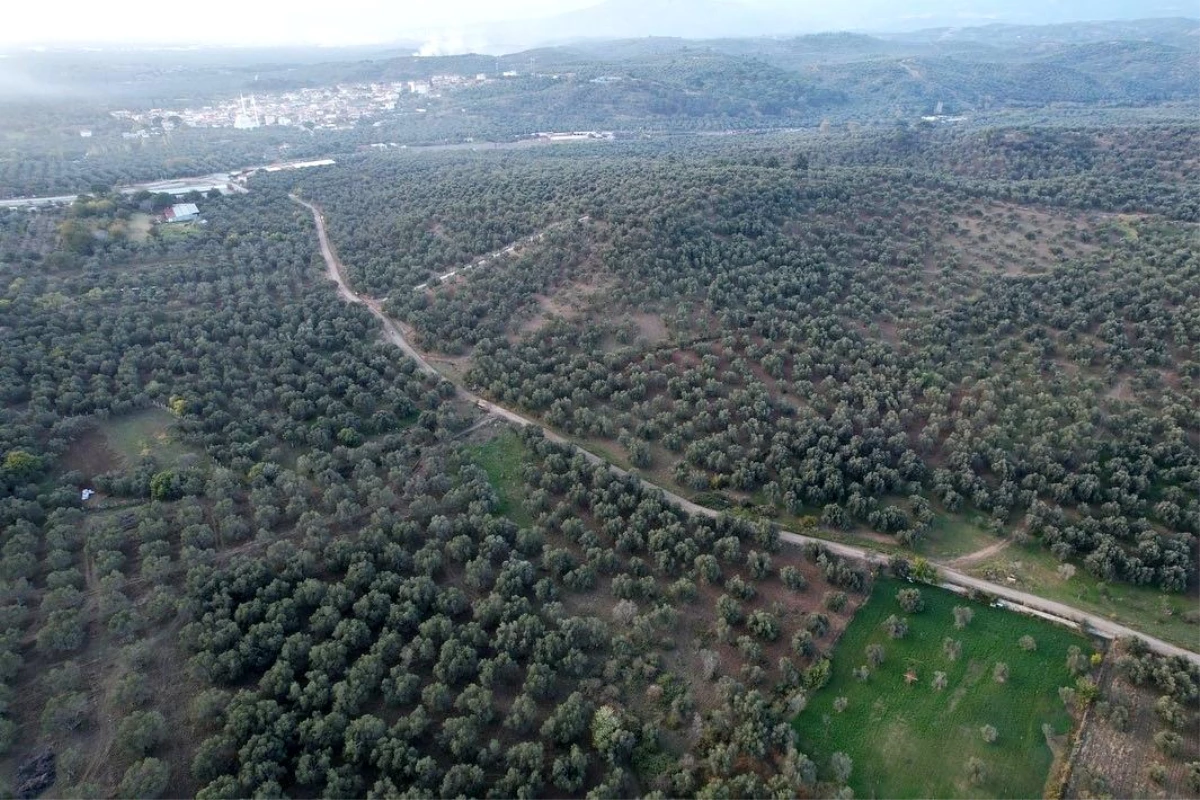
(182, 212)
(86, 494)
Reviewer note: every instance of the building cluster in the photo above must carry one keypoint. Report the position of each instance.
(441, 83)
(326, 107)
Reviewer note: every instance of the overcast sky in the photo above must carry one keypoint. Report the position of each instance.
(239, 22)
(449, 26)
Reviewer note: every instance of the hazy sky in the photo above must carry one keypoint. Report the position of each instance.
(256, 21)
(447, 26)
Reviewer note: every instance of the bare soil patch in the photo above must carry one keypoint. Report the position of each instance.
(1121, 390)
(570, 301)
(1017, 240)
(1116, 763)
(980, 555)
(91, 455)
(651, 327)
(548, 309)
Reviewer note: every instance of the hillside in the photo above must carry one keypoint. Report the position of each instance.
(1107, 72)
(820, 417)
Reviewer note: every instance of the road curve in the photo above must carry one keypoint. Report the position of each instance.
(1092, 622)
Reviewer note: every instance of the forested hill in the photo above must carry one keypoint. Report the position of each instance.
(1098, 72)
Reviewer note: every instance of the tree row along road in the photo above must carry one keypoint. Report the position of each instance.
(1097, 624)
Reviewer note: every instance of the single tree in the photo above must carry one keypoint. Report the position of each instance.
(896, 627)
(963, 616)
(976, 771)
(841, 765)
(910, 600)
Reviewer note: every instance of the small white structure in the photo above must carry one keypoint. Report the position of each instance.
(86, 494)
(182, 212)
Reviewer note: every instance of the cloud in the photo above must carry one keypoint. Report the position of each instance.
(446, 44)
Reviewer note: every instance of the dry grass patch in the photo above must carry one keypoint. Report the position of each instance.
(1017, 240)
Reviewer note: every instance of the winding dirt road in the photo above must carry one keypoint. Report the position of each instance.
(951, 578)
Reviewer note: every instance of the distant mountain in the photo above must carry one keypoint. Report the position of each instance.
(1177, 31)
(627, 19)
(720, 19)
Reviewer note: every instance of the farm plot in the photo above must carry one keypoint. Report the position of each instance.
(930, 703)
(121, 442)
(1119, 755)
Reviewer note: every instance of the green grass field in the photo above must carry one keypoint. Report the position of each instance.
(178, 230)
(502, 459)
(912, 740)
(145, 433)
(1141, 607)
(951, 536)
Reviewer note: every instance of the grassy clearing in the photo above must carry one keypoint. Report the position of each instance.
(502, 459)
(120, 442)
(912, 740)
(1141, 607)
(139, 227)
(178, 230)
(951, 536)
(145, 433)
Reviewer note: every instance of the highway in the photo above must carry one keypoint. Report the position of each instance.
(1094, 623)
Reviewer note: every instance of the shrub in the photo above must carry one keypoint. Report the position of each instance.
(875, 654)
(835, 601)
(764, 625)
(841, 765)
(793, 579)
(976, 771)
(1193, 776)
(910, 600)
(896, 627)
(140, 732)
(145, 779)
(1169, 742)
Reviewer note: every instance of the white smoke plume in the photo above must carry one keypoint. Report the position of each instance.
(448, 44)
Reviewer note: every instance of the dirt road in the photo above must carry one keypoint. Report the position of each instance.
(504, 251)
(980, 555)
(1097, 624)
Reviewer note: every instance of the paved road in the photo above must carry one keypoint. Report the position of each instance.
(35, 202)
(1097, 624)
